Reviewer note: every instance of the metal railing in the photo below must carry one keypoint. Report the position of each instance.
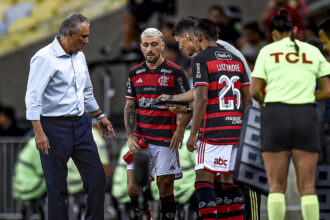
(9, 149)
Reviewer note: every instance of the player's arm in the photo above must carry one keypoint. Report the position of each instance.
(129, 119)
(200, 104)
(324, 91)
(182, 121)
(255, 89)
(187, 96)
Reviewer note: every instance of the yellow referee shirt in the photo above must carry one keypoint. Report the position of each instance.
(291, 77)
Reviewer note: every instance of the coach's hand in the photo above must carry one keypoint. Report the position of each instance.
(41, 141)
(191, 143)
(133, 144)
(176, 142)
(107, 130)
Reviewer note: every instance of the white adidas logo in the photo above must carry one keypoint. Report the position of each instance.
(139, 80)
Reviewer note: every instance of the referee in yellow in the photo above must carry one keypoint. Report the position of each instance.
(288, 121)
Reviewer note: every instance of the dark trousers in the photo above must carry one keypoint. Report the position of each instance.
(72, 138)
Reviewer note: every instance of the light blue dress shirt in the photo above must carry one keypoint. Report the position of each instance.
(58, 84)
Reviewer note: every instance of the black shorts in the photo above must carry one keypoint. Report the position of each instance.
(285, 127)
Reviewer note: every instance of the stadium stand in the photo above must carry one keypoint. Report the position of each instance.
(27, 21)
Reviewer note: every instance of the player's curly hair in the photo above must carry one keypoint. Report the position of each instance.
(283, 22)
(208, 28)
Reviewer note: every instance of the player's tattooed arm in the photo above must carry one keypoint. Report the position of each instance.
(129, 117)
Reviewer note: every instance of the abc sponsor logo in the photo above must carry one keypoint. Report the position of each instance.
(220, 161)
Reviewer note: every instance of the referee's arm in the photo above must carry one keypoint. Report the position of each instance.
(246, 98)
(324, 91)
(255, 89)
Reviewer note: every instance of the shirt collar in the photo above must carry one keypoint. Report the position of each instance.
(59, 51)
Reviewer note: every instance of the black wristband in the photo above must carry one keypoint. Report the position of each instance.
(171, 97)
(98, 115)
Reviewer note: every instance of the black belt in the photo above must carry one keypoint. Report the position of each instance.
(63, 118)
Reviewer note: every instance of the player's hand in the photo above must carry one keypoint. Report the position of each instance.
(42, 141)
(176, 142)
(177, 108)
(191, 143)
(163, 96)
(133, 144)
(107, 130)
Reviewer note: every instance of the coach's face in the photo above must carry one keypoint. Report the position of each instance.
(152, 47)
(185, 44)
(80, 39)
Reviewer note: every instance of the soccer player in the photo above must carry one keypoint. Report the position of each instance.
(163, 130)
(183, 32)
(221, 93)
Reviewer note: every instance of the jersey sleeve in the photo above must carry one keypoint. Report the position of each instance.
(181, 82)
(324, 66)
(199, 72)
(245, 80)
(259, 67)
(130, 90)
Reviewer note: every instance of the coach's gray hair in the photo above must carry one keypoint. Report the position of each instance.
(152, 32)
(72, 23)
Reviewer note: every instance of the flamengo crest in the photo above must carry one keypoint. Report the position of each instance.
(163, 80)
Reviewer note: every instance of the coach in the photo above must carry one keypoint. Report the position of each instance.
(59, 91)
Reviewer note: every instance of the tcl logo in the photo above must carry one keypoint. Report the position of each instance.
(219, 161)
(291, 57)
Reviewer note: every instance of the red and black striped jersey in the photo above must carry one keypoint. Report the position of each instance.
(144, 85)
(224, 75)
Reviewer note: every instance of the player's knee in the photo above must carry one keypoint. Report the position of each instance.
(165, 185)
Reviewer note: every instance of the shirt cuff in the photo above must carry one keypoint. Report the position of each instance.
(91, 106)
(33, 114)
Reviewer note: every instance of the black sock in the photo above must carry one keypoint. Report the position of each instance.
(135, 204)
(206, 200)
(168, 207)
(233, 197)
(222, 209)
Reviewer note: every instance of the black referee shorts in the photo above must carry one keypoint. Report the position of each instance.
(285, 127)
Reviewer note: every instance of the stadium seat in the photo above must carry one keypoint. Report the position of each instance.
(3, 28)
(69, 6)
(22, 24)
(9, 2)
(45, 10)
(3, 9)
(19, 10)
